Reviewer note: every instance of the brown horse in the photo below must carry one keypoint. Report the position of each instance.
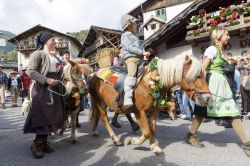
(75, 84)
(184, 71)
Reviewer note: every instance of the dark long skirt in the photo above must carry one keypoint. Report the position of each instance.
(44, 118)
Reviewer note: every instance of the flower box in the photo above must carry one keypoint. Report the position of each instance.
(231, 16)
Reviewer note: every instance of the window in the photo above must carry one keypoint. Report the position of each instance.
(26, 42)
(153, 26)
(60, 40)
(161, 13)
(33, 39)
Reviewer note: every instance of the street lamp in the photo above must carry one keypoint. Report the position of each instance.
(18, 44)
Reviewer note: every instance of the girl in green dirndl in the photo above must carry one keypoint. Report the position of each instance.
(222, 104)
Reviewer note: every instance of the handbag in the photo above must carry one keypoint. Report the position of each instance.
(22, 93)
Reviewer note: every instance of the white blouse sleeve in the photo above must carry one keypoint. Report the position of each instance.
(210, 52)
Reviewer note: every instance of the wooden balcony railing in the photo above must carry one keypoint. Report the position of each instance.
(27, 47)
(24, 47)
(62, 45)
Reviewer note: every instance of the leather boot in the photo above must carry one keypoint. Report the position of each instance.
(46, 147)
(128, 89)
(194, 140)
(37, 148)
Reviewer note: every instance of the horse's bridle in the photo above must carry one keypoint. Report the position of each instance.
(75, 78)
(198, 91)
(195, 90)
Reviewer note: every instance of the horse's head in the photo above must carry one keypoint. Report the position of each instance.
(193, 81)
(75, 78)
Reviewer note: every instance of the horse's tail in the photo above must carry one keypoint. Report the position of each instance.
(94, 113)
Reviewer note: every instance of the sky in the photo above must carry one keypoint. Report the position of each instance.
(64, 16)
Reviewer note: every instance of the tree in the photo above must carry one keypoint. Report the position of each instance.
(12, 55)
(81, 36)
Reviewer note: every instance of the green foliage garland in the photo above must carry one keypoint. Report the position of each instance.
(159, 101)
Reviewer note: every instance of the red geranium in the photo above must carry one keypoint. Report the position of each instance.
(215, 22)
(234, 15)
(202, 14)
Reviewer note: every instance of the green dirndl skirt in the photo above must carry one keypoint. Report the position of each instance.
(222, 104)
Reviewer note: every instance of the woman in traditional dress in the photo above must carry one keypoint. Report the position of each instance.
(222, 104)
(46, 114)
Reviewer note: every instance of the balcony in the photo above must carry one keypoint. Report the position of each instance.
(236, 19)
(26, 47)
(30, 47)
(62, 45)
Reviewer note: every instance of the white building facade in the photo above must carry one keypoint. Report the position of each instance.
(164, 14)
(26, 44)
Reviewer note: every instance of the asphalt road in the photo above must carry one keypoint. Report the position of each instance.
(222, 145)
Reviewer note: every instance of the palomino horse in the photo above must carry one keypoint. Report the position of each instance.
(75, 84)
(186, 71)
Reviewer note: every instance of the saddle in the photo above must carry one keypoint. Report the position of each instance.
(115, 75)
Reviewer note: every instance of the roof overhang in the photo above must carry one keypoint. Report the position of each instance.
(178, 24)
(37, 29)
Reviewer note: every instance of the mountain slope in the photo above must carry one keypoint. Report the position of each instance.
(7, 35)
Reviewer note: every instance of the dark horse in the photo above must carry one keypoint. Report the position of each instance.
(184, 71)
(75, 84)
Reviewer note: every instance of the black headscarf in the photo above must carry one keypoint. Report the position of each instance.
(42, 39)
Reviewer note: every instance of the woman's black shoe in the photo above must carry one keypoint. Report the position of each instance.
(116, 124)
(219, 122)
(228, 124)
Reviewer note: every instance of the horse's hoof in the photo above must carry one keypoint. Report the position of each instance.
(95, 135)
(61, 133)
(160, 154)
(118, 143)
(75, 141)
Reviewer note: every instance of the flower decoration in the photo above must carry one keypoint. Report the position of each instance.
(159, 100)
(197, 20)
(224, 17)
(82, 61)
(240, 9)
(246, 21)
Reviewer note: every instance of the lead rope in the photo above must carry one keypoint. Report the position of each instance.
(52, 91)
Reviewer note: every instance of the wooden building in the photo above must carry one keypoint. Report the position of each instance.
(99, 38)
(174, 37)
(162, 10)
(8, 65)
(26, 43)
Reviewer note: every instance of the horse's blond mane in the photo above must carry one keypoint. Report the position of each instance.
(86, 69)
(171, 70)
(66, 71)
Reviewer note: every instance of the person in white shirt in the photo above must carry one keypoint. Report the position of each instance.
(14, 86)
